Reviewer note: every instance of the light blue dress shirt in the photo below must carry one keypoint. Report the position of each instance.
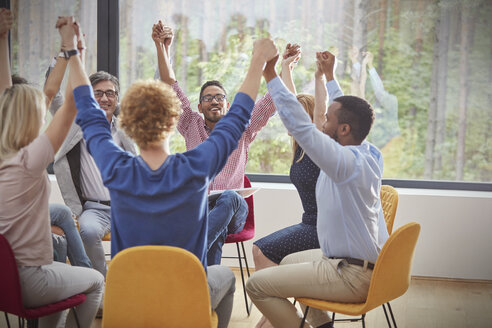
(334, 91)
(348, 187)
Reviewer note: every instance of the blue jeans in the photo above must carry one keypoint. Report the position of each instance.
(227, 215)
(61, 216)
(94, 223)
(221, 284)
(59, 248)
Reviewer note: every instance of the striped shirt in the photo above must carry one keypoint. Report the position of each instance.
(192, 127)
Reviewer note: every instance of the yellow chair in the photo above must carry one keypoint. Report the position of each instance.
(389, 203)
(390, 277)
(107, 237)
(157, 286)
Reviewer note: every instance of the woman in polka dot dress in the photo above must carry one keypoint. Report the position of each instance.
(270, 250)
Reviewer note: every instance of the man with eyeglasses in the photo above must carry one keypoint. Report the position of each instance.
(77, 175)
(228, 213)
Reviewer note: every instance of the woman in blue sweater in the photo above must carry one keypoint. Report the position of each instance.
(158, 198)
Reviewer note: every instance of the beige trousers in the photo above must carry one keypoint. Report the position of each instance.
(306, 274)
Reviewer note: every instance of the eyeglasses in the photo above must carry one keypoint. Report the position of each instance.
(111, 94)
(219, 97)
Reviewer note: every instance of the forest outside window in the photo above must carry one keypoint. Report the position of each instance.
(425, 65)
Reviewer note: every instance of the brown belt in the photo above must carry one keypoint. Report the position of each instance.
(351, 260)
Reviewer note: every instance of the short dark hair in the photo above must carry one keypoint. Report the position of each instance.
(356, 112)
(209, 83)
(16, 79)
(105, 76)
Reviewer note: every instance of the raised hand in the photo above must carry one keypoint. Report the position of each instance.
(327, 62)
(368, 59)
(157, 33)
(167, 35)
(265, 50)
(80, 37)
(291, 56)
(6, 21)
(66, 27)
(319, 71)
(354, 54)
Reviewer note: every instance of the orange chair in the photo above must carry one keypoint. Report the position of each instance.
(390, 277)
(11, 297)
(157, 286)
(246, 234)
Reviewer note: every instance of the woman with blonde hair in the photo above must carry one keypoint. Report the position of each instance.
(25, 188)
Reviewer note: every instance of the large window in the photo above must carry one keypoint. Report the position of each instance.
(428, 80)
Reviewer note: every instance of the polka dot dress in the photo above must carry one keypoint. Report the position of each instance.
(302, 236)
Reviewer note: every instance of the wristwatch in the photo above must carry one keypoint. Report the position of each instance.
(68, 53)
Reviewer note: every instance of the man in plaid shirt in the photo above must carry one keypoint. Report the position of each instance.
(228, 212)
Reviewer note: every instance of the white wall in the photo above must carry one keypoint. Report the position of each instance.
(456, 227)
(455, 240)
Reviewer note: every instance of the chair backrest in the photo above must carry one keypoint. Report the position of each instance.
(156, 286)
(10, 290)
(389, 203)
(391, 274)
(248, 231)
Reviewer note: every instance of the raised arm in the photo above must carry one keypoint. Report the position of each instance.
(328, 66)
(6, 21)
(326, 153)
(355, 85)
(290, 57)
(55, 74)
(163, 37)
(367, 58)
(62, 120)
(54, 80)
(320, 94)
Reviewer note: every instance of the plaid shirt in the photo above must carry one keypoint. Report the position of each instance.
(192, 127)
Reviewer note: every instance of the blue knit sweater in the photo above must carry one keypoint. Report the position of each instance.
(169, 205)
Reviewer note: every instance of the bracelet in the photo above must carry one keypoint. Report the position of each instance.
(68, 53)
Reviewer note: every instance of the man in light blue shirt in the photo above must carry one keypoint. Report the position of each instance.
(347, 194)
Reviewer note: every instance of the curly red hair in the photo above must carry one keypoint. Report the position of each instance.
(149, 112)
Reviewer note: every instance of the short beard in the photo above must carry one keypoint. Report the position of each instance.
(213, 119)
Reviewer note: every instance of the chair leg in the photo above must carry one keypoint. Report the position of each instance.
(305, 316)
(32, 323)
(392, 316)
(245, 259)
(242, 279)
(7, 319)
(363, 321)
(386, 315)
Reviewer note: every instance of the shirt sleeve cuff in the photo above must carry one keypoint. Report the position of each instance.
(82, 91)
(332, 86)
(243, 98)
(275, 85)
